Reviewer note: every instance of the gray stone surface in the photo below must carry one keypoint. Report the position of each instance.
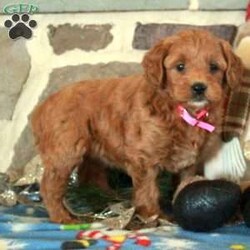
(24, 149)
(63, 76)
(223, 4)
(14, 71)
(146, 35)
(100, 5)
(89, 37)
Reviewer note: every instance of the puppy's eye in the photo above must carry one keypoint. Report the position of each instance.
(180, 67)
(213, 67)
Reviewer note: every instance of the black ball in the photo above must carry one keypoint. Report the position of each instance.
(206, 205)
(245, 206)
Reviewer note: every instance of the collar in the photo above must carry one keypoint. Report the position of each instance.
(197, 120)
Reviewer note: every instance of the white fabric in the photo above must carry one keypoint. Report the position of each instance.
(229, 163)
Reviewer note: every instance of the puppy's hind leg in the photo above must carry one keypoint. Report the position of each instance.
(53, 188)
(58, 168)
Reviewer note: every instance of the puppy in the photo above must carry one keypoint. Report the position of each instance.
(168, 118)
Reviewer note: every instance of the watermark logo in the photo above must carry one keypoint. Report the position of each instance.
(20, 24)
(20, 8)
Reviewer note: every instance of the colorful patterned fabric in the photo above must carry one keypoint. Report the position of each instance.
(28, 228)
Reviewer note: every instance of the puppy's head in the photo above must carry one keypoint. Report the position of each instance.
(194, 66)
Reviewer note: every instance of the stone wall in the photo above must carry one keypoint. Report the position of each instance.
(67, 47)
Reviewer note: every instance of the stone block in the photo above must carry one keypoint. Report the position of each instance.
(24, 151)
(223, 5)
(89, 37)
(146, 35)
(63, 76)
(14, 71)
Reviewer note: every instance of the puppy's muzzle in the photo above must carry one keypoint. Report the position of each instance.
(198, 90)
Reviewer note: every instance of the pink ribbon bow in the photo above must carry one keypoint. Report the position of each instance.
(196, 121)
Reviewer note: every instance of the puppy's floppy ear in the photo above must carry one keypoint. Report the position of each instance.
(234, 71)
(153, 63)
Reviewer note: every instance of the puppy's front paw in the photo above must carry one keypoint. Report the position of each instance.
(147, 214)
(147, 220)
(62, 216)
(65, 220)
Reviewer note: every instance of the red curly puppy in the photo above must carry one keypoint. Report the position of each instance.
(169, 118)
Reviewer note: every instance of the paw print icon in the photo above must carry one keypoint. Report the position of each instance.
(20, 26)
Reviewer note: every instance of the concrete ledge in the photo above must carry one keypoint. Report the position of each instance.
(47, 6)
(58, 6)
(223, 5)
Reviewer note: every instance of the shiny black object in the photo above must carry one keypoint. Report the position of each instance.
(206, 205)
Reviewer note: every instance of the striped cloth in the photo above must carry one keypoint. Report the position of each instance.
(238, 103)
(237, 110)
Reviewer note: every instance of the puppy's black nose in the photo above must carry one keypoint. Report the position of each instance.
(199, 88)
